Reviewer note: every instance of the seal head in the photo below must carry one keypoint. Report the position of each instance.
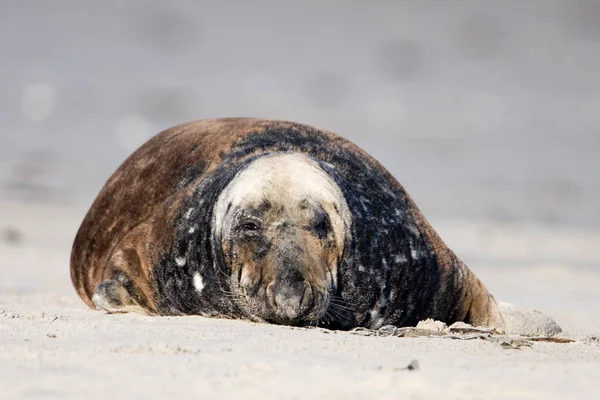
(282, 225)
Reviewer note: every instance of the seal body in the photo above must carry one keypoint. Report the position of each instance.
(269, 221)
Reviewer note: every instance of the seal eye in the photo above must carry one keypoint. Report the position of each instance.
(322, 227)
(250, 226)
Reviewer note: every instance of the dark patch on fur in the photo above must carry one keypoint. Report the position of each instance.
(175, 290)
(322, 225)
(191, 173)
(379, 278)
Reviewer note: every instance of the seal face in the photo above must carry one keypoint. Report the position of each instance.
(282, 224)
(270, 221)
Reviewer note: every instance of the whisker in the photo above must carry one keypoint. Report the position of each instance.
(238, 297)
(343, 303)
(341, 300)
(342, 307)
(229, 292)
(336, 314)
(325, 319)
(222, 272)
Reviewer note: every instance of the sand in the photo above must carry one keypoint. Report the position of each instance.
(53, 346)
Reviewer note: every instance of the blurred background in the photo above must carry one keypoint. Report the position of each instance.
(482, 110)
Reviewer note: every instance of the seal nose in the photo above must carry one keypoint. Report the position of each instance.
(290, 300)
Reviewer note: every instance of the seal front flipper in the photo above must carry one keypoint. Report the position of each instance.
(112, 297)
(120, 291)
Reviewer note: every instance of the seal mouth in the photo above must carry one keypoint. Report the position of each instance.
(298, 304)
(329, 311)
(290, 301)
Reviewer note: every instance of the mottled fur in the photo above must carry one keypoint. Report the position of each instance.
(153, 224)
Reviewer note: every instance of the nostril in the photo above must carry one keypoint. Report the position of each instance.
(291, 299)
(301, 295)
(307, 296)
(271, 295)
(249, 283)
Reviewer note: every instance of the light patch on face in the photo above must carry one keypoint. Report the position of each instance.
(188, 213)
(198, 282)
(364, 206)
(376, 319)
(286, 179)
(180, 261)
(192, 229)
(413, 229)
(376, 323)
(414, 254)
(400, 258)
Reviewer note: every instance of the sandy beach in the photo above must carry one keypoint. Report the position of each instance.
(52, 346)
